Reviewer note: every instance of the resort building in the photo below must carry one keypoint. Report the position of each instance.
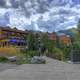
(12, 37)
(66, 39)
(52, 36)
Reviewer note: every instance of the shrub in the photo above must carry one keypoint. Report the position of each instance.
(58, 54)
(32, 53)
(3, 59)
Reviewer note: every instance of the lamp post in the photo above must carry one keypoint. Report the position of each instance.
(39, 46)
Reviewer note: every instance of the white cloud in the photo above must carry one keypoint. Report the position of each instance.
(8, 3)
(60, 14)
(35, 17)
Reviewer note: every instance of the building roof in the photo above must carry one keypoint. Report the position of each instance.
(12, 30)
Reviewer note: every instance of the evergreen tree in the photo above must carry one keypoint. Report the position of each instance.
(78, 25)
(48, 44)
(31, 41)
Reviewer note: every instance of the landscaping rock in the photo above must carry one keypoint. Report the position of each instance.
(12, 59)
(38, 60)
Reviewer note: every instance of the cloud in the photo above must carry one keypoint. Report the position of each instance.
(2, 3)
(43, 15)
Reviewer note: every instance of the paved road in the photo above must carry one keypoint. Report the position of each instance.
(53, 70)
(5, 66)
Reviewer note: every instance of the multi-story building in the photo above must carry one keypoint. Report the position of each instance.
(66, 39)
(12, 37)
(52, 36)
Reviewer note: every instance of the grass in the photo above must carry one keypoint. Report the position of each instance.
(10, 51)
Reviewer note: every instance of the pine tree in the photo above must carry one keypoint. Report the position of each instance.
(31, 41)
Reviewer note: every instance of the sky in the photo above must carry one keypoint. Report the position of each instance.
(40, 15)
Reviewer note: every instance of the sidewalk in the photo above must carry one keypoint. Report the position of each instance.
(53, 70)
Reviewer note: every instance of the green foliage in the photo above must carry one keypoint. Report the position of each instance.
(48, 44)
(66, 50)
(61, 52)
(32, 53)
(22, 61)
(3, 59)
(31, 41)
(77, 34)
(58, 54)
(76, 45)
(44, 38)
(78, 25)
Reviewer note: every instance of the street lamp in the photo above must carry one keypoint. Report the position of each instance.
(39, 46)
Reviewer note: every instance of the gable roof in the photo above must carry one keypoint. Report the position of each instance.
(13, 30)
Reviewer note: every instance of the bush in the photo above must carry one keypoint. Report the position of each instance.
(32, 53)
(58, 54)
(3, 59)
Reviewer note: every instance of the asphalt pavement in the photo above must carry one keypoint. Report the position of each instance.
(52, 70)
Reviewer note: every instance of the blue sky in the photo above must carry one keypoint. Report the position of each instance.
(43, 15)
